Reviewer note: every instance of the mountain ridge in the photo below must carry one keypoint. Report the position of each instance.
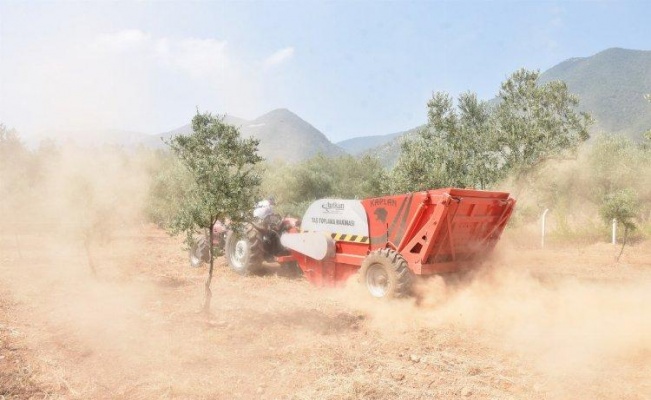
(284, 136)
(358, 145)
(610, 84)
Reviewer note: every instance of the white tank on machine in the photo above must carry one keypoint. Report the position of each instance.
(322, 219)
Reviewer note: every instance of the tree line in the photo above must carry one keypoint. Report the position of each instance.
(514, 141)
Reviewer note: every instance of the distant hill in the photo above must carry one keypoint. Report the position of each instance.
(283, 136)
(611, 87)
(358, 145)
(610, 84)
(389, 152)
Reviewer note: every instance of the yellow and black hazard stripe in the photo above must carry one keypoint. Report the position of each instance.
(343, 237)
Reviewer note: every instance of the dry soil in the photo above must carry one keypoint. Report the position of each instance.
(559, 323)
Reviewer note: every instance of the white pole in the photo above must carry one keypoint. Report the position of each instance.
(542, 238)
(614, 241)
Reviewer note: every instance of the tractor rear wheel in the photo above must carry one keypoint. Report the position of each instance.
(199, 252)
(385, 274)
(244, 252)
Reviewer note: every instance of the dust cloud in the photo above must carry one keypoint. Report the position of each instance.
(580, 336)
(75, 265)
(67, 249)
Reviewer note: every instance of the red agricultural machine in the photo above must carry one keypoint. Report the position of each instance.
(390, 239)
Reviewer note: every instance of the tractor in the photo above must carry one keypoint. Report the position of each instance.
(245, 249)
(385, 240)
(259, 241)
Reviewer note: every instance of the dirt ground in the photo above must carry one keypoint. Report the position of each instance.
(563, 323)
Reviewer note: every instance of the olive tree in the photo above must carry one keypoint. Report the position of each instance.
(623, 206)
(537, 122)
(15, 164)
(295, 186)
(475, 143)
(456, 148)
(170, 181)
(224, 182)
(614, 163)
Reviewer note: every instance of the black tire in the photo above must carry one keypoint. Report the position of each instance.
(385, 274)
(221, 241)
(199, 252)
(244, 252)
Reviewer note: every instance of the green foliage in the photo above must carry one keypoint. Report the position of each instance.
(170, 183)
(584, 193)
(220, 181)
(615, 164)
(537, 122)
(622, 205)
(609, 86)
(10, 145)
(16, 164)
(312, 179)
(296, 186)
(456, 148)
(476, 144)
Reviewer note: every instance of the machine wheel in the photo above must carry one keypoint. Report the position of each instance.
(244, 252)
(385, 274)
(199, 252)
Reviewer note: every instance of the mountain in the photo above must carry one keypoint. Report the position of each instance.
(358, 145)
(389, 152)
(610, 85)
(283, 136)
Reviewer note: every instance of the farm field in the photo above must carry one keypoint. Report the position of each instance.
(407, 137)
(563, 323)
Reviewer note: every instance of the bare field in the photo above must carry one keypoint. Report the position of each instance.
(556, 324)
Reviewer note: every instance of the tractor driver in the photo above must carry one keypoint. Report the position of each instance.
(264, 208)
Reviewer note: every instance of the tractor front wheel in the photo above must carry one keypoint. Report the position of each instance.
(385, 274)
(244, 251)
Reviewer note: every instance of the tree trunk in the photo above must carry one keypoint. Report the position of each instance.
(623, 243)
(208, 293)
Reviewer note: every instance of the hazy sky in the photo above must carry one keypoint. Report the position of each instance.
(350, 68)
